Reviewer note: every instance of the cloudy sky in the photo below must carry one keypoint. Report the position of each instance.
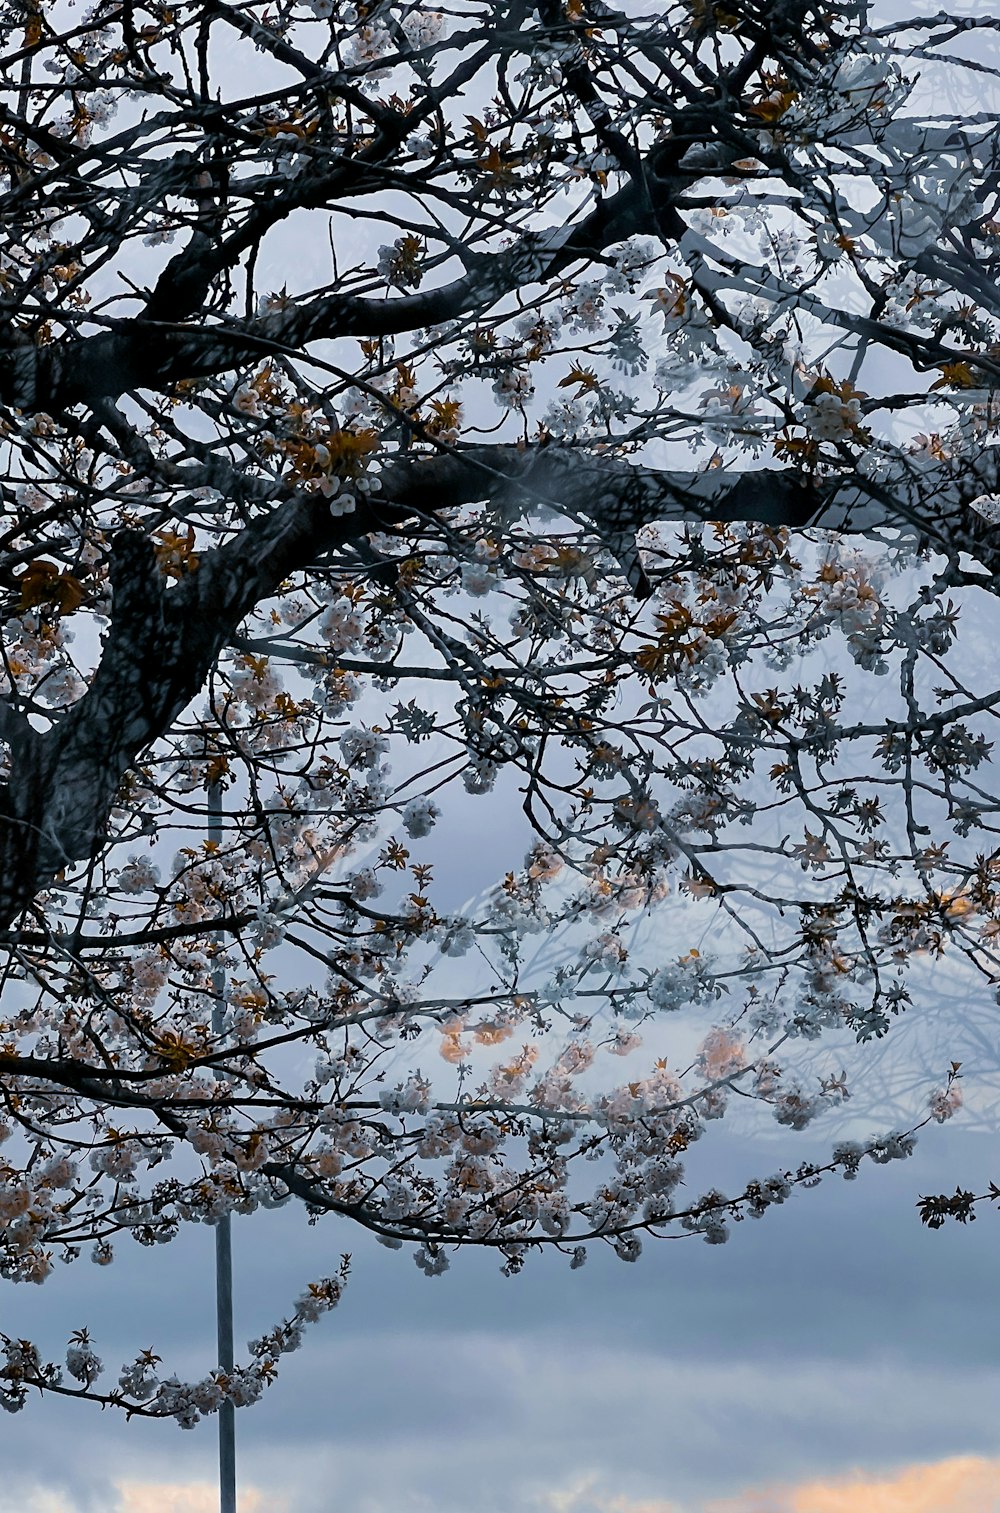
(833, 1358)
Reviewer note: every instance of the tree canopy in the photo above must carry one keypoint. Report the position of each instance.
(554, 438)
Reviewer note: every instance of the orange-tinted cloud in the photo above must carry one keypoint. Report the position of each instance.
(964, 1484)
(188, 1497)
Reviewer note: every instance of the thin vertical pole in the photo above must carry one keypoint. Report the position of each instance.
(223, 1236)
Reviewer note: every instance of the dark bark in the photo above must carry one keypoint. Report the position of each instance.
(164, 640)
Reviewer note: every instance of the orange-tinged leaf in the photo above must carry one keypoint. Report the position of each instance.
(652, 660)
(175, 553)
(586, 378)
(773, 108)
(44, 583)
(956, 375)
(497, 166)
(445, 417)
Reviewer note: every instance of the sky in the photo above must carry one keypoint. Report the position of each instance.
(833, 1358)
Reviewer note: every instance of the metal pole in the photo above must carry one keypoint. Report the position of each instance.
(223, 1239)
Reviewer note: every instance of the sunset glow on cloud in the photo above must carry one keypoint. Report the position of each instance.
(964, 1484)
(961, 1484)
(188, 1497)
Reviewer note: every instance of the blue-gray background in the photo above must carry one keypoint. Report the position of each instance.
(834, 1335)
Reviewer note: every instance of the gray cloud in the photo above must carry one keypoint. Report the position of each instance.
(836, 1332)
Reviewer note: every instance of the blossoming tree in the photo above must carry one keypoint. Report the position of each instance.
(587, 406)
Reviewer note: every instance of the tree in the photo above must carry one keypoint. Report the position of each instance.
(588, 406)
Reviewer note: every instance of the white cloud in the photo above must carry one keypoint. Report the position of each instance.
(35, 1500)
(585, 1494)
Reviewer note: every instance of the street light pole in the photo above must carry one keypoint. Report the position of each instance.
(223, 1234)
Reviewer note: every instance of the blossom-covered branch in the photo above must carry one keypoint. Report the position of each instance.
(571, 427)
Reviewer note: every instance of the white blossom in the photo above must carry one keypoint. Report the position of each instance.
(419, 815)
